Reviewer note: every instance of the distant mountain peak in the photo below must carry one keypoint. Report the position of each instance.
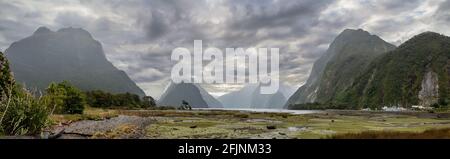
(426, 35)
(250, 97)
(76, 31)
(42, 30)
(429, 33)
(355, 31)
(176, 93)
(349, 34)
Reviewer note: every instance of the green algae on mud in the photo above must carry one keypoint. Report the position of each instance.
(320, 125)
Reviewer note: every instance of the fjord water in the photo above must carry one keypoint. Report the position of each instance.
(295, 112)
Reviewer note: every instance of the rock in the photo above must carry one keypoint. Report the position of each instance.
(45, 135)
(429, 94)
(57, 133)
(271, 127)
(90, 127)
(443, 115)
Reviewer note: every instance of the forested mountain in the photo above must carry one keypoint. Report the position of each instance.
(347, 56)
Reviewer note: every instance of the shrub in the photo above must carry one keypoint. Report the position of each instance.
(148, 102)
(101, 99)
(63, 98)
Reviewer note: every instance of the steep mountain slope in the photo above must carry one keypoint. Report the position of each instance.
(417, 73)
(345, 59)
(267, 101)
(69, 54)
(287, 90)
(239, 99)
(276, 101)
(209, 99)
(176, 93)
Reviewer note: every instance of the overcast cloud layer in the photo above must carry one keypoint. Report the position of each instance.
(139, 35)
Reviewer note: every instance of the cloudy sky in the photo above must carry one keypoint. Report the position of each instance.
(139, 35)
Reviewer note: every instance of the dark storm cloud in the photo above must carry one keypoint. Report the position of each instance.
(274, 14)
(442, 14)
(397, 6)
(157, 27)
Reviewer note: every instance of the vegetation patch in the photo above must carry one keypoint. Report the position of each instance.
(427, 134)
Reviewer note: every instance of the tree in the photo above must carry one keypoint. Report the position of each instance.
(185, 105)
(75, 100)
(101, 99)
(54, 98)
(7, 81)
(148, 102)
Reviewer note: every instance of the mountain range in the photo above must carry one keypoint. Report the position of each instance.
(360, 70)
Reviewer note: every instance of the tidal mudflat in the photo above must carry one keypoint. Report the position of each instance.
(238, 124)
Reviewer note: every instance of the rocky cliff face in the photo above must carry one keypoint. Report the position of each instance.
(429, 93)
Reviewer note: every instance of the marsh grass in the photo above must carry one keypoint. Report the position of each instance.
(22, 114)
(89, 114)
(427, 134)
